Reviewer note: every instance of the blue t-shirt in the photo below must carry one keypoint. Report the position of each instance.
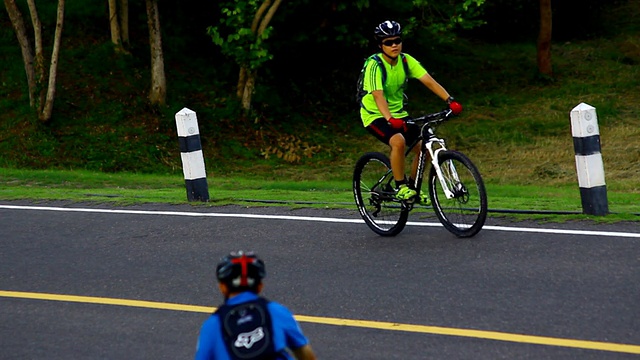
(286, 331)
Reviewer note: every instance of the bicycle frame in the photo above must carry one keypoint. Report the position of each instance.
(433, 146)
(458, 195)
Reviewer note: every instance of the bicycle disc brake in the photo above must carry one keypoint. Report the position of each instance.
(461, 193)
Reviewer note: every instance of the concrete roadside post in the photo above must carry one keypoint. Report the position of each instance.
(589, 164)
(195, 176)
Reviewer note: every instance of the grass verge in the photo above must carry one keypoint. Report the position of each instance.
(546, 203)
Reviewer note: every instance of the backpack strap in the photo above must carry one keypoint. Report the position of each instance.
(405, 65)
(383, 72)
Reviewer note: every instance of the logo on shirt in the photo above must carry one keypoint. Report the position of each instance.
(247, 339)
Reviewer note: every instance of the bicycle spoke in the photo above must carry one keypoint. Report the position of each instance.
(375, 197)
(463, 214)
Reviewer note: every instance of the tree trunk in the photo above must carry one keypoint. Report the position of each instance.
(158, 92)
(114, 23)
(242, 80)
(247, 78)
(267, 18)
(256, 18)
(47, 111)
(40, 97)
(123, 14)
(39, 55)
(27, 55)
(544, 39)
(248, 90)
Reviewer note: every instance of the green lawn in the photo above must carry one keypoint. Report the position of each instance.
(549, 203)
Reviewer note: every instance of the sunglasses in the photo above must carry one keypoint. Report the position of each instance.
(396, 41)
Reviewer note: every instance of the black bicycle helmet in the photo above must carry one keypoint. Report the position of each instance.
(387, 29)
(241, 271)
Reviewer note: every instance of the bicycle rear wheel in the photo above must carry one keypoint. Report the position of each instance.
(374, 195)
(465, 213)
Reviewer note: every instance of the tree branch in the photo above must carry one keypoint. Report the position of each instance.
(53, 68)
(258, 16)
(267, 18)
(27, 55)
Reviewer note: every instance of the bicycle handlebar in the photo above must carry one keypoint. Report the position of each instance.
(432, 119)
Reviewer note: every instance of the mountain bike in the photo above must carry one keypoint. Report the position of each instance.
(456, 188)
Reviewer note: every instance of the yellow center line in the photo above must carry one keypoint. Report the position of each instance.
(436, 330)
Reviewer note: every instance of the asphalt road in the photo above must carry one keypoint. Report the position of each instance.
(515, 291)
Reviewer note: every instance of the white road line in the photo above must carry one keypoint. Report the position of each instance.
(310, 218)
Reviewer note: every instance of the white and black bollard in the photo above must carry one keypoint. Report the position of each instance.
(589, 164)
(195, 176)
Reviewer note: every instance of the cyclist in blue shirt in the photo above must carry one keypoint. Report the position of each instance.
(247, 325)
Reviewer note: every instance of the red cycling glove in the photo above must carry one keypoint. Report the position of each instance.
(398, 124)
(455, 106)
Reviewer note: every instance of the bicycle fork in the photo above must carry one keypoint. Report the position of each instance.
(452, 179)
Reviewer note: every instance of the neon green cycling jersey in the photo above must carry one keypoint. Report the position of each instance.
(393, 88)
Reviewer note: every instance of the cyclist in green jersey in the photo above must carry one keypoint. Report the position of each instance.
(382, 111)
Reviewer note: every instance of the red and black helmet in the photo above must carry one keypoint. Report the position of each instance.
(241, 271)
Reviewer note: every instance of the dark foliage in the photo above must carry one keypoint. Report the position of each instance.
(102, 120)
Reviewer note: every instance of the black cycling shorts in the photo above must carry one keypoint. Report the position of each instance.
(383, 131)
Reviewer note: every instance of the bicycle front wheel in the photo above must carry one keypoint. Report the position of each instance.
(465, 211)
(374, 195)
